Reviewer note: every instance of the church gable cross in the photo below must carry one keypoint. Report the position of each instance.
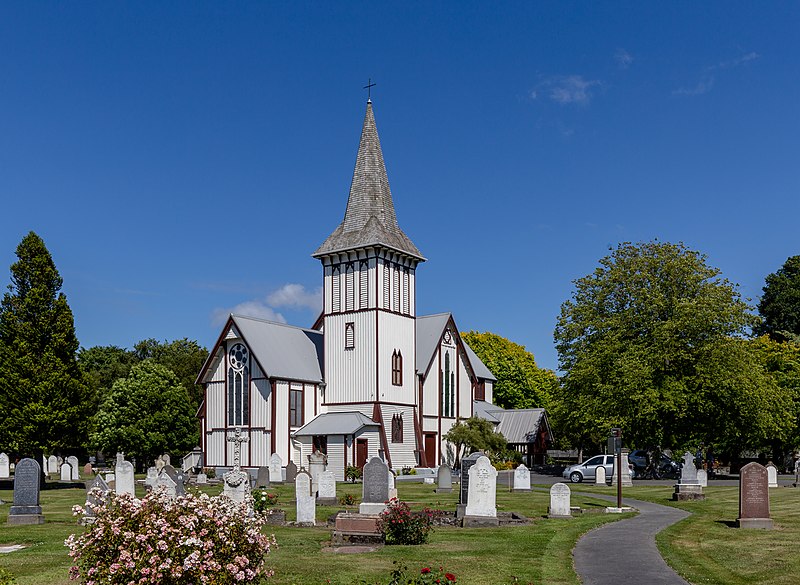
(369, 87)
(237, 439)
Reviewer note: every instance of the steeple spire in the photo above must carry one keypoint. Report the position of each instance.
(369, 219)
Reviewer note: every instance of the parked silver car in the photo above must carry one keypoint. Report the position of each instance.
(586, 470)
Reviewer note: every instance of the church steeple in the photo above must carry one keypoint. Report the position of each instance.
(369, 219)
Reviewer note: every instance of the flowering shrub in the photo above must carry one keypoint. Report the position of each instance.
(401, 526)
(347, 500)
(158, 540)
(264, 500)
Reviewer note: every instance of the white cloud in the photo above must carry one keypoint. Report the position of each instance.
(623, 58)
(296, 295)
(704, 86)
(751, 56)
(567, 89)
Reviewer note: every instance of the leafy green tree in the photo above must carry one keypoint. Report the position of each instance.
(146, 414)
(104, 365)
(651, 342)
(184, 357)
(475, 434)
(780, 305)
(520, 382)
(45, 403)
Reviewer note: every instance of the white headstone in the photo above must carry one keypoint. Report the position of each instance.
(702, 477)
(559, 501)
(152, 476)
(166, 459)
(306, 502)
(160, 463)
(626, 471)
(316, 465)
(5, 468)
(66, 472)
(392, 485)
(482, 495)
(45, 468)
(522, 479)
(772, 475)
(165, 484)
(75, 465)
(600, 475)
(52, 465)
(327, 485)
(275, 468)
(202, 479)
(109, 477)
(688, 471)
(124, 478)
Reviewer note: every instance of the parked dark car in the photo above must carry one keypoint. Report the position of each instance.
(667, 468)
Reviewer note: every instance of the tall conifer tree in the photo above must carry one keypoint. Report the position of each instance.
(45, 403)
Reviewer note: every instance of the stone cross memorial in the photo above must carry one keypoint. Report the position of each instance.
(123, 472)
(275, 465)
(26, 508)
(688, 487)
(481, 499)
(236, 483)
(5, 468)
(375, 487)
(754, 497)
(66, 472)
(327, 488)
(75, 465)
(522, 479)
(444, 479)
(559, 501)
(306, 502)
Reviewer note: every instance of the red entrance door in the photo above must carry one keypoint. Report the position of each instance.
(430, 449)
(361, 452)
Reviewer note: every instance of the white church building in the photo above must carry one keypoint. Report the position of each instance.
(370, 377)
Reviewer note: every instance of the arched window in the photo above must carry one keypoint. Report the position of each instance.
(397, 428)
(349, 335)
(397, 368)
(238, 386)
(447, 401)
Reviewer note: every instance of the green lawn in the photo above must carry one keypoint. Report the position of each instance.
(536, 553)
(706, 547)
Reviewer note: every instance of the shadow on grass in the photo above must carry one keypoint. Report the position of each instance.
(728, 523)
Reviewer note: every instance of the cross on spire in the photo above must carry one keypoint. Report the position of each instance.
(369, 87)
(238, 439)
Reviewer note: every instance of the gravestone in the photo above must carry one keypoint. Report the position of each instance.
(75, 466)
(702, 477)
(52, 465)
(165, 458)
(236, 483)
(159, 463)
(291, 472)
(152, 476)
(481, 509)
(95, 490)
(392, 486)
(180, 484)
(306, 502)
(202, 478)
(772, 475)
(263, 477)
(5, 468)
(327, 489)
(87, 470)
(123, 472)
(754, 497)
(522, 479)
(688, 487)
(45, 469)
(316, 465)
(559, 501)
(26, 508)
(466, 464)
(166, 485)
(600, 475)
(110, 477)
(444, 480)
(626, 470)
(375, 487)
(275, 465)
(66, 472)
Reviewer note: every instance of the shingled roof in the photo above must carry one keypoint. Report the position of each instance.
(370, 219)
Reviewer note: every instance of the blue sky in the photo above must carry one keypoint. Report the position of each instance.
(184, 159)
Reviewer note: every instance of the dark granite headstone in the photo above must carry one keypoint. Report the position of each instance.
(466, 463)
(754, 497)
(26, 508)
(291, 472)
(375, 489)
(262, 480)
(180, 483)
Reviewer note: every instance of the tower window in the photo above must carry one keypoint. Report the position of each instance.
(406, 293)
(349, 335)
(363, 292)
(397, 428)
(349, 288)
(386, 287)
(336, 299)
(396, 290)
(397, 368)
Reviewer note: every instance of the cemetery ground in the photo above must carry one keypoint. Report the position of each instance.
(705, 548)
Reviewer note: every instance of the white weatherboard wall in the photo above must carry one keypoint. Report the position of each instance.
(350, 373)
(396, 333)
(402, 454)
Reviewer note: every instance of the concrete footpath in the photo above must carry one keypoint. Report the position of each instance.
(625, 551)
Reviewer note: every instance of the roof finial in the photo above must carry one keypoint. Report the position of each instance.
(369, 87)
